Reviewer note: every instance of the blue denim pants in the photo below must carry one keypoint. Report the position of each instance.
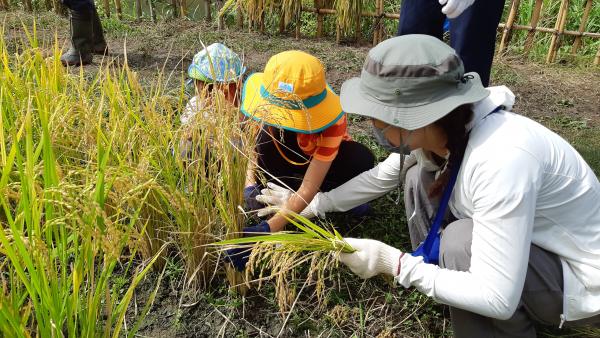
(472, 34)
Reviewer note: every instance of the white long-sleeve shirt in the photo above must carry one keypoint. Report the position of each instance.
(520, 183)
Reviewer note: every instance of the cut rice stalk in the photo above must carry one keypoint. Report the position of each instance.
(311, 237)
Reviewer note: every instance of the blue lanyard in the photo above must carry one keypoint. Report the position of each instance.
(429, 249)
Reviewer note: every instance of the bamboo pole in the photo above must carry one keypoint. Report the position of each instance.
(381, 28)
(512, 15)
(208, 16)
(119, 9)
(261, 23)
(375, 30)
(365, 14)
(106, 8)
(152, 11)
(338, 33)
(552, 30)
(532, 28)
(561, 20)
(138, 10)
(175, 9)
(584, 20)
(183, 8)
(535, 17)
(377, 22)
(281, 21)
(501, 25)
(329, 11)
(298, 22)
(220, 18)
(319, 5)
(357, 30)
(239, 17)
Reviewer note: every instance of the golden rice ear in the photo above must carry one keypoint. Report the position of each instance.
(276, 257)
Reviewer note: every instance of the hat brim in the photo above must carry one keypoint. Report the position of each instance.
(355, 101)
(307, 121)
(196, 74)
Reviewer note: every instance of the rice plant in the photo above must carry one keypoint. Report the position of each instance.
(92, 189)
(61, 235)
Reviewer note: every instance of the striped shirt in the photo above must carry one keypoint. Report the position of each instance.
(324, 146)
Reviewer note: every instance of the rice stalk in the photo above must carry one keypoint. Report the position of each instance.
(64, 223)
(277, 257)
(348, 12)
(311, 237)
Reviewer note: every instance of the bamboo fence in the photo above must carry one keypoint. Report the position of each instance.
(558, 32)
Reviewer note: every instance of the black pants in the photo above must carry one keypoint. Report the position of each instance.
(352, 159)
(472, 34)
(79, 5)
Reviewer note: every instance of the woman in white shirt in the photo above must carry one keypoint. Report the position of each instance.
(522, 239)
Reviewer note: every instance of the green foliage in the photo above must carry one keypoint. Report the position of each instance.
(119, 28)
(62, 233)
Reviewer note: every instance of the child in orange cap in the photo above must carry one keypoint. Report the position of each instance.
(303, 142)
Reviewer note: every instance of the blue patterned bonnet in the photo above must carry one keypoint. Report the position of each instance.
(226, 65)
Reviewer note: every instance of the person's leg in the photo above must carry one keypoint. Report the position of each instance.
(82, 32)
(421, 17)
(473, 36)
(99, 44)
(353, 158)
(420, 209)
(541, 300)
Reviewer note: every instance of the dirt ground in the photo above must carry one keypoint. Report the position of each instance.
(542, 90)
(565, 98)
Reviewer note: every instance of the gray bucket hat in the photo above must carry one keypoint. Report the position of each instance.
(411, 81)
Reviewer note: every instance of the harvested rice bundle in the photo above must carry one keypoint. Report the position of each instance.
(310, 238)
(256, 9)
(348, 12)
(277, 255)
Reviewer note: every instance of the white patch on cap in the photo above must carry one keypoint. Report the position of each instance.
(286, 87)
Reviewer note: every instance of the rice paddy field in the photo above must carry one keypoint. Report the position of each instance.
(106, 233)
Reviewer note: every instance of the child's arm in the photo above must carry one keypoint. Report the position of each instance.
(315, 174)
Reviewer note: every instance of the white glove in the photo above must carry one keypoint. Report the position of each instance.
(371, 258)
(454, 8)
(275, 197)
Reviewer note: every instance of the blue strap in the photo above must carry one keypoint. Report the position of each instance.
(430, 248)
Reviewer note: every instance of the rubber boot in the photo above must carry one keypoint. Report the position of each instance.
(82, 33)
(99, 46)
